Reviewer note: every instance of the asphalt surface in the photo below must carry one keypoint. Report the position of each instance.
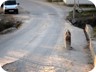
(38, 46)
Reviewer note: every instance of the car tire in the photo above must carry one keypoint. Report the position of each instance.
(5, 12)
(16, 11)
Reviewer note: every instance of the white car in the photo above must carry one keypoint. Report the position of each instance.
(10, 6)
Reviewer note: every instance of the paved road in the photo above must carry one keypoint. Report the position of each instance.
(38, 46)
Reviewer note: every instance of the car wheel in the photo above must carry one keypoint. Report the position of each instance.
(16, 12)
(5, 12)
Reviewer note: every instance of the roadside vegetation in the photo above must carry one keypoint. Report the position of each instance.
(94, 32)
(83, 17)
(83, 5)
(8, 21)
(86, 13)
(55, 0)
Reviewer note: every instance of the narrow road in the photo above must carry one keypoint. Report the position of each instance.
(38, 46)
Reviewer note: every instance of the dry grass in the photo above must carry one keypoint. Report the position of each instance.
(8, 21)
(55, 0)
(94, 32)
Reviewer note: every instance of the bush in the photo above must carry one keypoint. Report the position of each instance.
(55, 0)
(49, 0)
(8, 21)
(83, 18)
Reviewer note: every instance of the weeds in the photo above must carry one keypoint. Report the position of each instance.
(8, 21)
